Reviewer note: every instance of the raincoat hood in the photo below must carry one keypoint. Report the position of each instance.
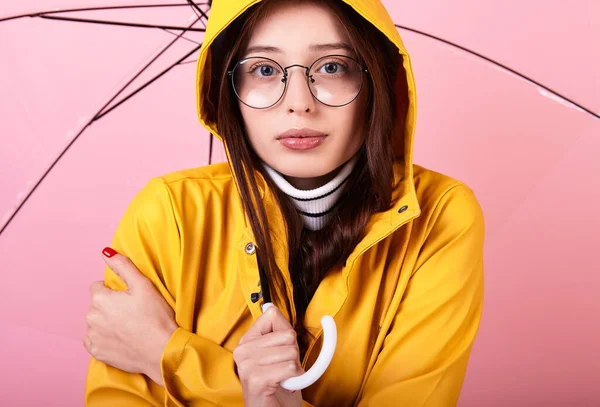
(224, 13)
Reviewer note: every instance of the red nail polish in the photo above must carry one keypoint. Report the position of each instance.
(108, 252)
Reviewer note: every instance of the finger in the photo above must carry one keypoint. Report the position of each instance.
(87, 343)
(279, 354)
(279, 338)
(271, 342)
(124, 268)
(271, 320)
(92, 318)
(100, 293)
(278, 320)
(267, 357)
(265, 379)
(261, 326)
(98, 287)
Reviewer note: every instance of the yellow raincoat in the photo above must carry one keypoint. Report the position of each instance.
(407, 303)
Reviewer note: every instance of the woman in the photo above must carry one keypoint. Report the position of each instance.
(319, 210)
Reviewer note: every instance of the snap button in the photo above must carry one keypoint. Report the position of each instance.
(250, 248)
(254, 297)
(404, 208)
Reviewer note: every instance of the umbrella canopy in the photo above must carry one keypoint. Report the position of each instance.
(97, 100)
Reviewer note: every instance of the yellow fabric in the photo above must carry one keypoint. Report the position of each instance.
(407, 303)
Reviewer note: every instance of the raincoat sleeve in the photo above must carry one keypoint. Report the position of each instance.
(424, 356)
(186, 378)
(195, 371)
(148, 235)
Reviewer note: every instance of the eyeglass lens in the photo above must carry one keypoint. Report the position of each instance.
(333, 80)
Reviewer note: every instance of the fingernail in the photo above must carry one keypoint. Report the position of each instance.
(108, 252)
(292, 391)
(266, 306)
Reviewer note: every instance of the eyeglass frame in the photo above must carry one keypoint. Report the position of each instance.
(285, 77)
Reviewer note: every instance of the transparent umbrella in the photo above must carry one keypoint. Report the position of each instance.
(96, 99)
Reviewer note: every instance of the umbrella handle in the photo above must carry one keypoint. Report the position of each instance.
(322, 363)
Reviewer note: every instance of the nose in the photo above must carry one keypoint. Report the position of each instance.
(297, 96)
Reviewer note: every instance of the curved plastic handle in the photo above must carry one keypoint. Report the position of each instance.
(322, 363)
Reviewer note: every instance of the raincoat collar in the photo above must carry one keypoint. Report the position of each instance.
(379, 226)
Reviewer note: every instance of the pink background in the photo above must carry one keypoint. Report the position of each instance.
(530, 155)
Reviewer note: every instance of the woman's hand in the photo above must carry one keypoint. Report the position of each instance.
(267, 355)
(128, 329)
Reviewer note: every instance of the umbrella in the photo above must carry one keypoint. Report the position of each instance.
(94, 101)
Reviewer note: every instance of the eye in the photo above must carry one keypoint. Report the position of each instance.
(333, 67)
(263, 69)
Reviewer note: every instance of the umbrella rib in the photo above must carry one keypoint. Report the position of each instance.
(100, 114)
(210, 149)
(198, 9)
(74, 10)
(195, 12)
(195, 6)
(137, 25)
(96, 118)
(596, 115)
(185, 38)
(42, 178)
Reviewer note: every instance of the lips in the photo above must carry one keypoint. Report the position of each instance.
(300, 133)
(301, 139)
(301, 143)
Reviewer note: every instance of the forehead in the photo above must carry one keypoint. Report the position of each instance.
(295, 29)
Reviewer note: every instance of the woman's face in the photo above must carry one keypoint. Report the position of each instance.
(295, 29)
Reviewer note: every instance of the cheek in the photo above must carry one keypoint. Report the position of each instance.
(257, 128)
(247, 116)
(356, 118)
(354, 124)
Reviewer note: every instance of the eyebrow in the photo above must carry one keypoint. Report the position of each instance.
(313, 47)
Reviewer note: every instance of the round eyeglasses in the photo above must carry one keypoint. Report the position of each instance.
(334, 80)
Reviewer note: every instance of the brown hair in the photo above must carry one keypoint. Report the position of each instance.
(312, 254)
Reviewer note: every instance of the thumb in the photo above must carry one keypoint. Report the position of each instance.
(124, 268)
(270, 321)
(277, 319)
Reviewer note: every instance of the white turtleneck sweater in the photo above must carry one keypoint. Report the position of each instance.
(315, 205)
